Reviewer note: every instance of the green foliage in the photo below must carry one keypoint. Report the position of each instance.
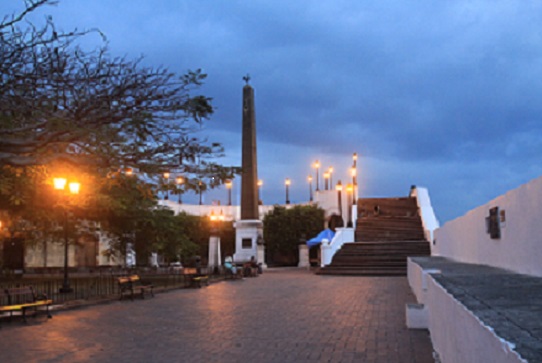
(284, 228)
(91, 116)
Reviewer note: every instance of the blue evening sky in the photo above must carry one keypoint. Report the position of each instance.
(441, 94)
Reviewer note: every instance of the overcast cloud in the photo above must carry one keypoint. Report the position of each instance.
(441, 94)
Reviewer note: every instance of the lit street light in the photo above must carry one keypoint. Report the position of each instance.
(317, 167)
(73, 188)
(310, 187)
(229, 185)
(349, 195)
(339, 188)
(330, 171)
(166, 177)
(326, 180)
(354, 173)
(260, 184)
(179, 181)
(287, 184)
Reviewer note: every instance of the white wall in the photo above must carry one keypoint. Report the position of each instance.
(519, 249)
(458, 336)
(429, 220)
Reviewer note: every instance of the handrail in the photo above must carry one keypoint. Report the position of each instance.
(328, 249)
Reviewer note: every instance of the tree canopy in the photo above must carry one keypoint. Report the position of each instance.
(100, 117)
(286, 228)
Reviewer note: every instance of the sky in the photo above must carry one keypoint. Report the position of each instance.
(440, 94)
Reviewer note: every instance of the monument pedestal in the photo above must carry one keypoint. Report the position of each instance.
(247, 234)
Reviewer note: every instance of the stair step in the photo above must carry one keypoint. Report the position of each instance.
(388, 230)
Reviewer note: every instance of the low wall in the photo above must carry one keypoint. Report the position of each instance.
(429, 220)
(458, 336)
(519, 220)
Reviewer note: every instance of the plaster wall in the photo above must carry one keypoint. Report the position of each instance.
(51, 255)
(519, 247)
(460, 337)
(429, 220)
(414, 276)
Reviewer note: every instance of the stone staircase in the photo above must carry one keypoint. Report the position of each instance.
(387, 231)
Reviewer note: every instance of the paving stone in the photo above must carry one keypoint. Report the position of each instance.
(284, 315)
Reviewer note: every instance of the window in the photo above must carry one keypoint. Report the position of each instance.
(246, 243)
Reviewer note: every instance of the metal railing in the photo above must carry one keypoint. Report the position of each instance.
(100, 285)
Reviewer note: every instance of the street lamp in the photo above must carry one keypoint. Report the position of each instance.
(260, 184)
(309, 178)
(330, 171)
(200, 183)
(73, 188)
(354, 173)
(317, 167)
(166, 176)
(214, 240)
(326, 180)
(339, 188)
(354, 167)
(287, 184)
(349, 194)
(179, 181)
(229, 185)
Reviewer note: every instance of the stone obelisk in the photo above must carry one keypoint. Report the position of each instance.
(249, 229)
(249, 174)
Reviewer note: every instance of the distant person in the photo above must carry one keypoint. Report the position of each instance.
(230, 267)
(247, 267)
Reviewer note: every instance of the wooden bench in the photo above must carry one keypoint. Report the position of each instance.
(198, 281)
(22, 299)
(132, 285)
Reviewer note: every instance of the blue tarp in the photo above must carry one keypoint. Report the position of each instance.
(325, 234)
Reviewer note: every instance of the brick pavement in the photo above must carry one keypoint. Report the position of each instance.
(285, 315)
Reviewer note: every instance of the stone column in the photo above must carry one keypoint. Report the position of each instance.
(249, 175)
(303, 256)
(215, 258)
(249, 229)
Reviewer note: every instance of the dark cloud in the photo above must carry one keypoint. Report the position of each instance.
(442, 94)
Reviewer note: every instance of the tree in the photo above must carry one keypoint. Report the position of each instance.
(284, 228)
(96, 116)
(58, 101)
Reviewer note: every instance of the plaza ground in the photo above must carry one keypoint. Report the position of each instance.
(284, 315)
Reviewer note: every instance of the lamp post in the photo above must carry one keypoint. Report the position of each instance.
(317, 167)
(354, 173)
(330, 171)
(166, 177)
(214, 239)
(326, 180)
(260, 184)
(309, 178)
(229, 185)
(355, 168)
(287, 184)
(349, 194)
(73, 188)
(199, 192)
(179, 181)
(339, 188)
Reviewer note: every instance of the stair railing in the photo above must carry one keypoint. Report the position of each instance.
(329, 248)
